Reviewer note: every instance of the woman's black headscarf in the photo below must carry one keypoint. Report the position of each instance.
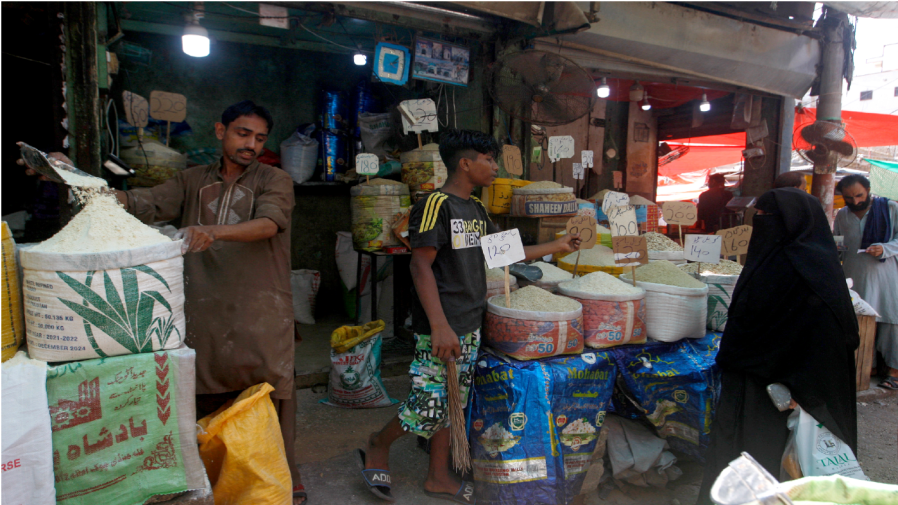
(791, 319)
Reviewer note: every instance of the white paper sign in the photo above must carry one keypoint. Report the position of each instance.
(367, 164)
(503, 248)
(578, 171)
(419, 115)
(703, 248)
(615, 199)
(622, 221)
(561, 148)
(586, 158)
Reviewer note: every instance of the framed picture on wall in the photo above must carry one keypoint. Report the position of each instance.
(439, 61)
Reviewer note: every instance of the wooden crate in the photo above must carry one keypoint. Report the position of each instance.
(866, 351)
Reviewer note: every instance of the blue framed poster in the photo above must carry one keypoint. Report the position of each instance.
(391, 63)
(439, 61)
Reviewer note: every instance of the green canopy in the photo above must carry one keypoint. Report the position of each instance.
(883, 178)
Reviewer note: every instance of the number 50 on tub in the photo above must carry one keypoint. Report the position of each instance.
(503, 248)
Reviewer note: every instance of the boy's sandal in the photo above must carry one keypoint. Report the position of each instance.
(299, 491)
(889, 383)
(378, 481)
(465, 494)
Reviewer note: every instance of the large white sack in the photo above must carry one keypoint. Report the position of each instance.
(27, 439)
(304, 284)
(674, 313)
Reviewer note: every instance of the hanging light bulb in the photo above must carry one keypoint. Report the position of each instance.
(604, 91)
(359, 59)
(705, 106)
(195, 41)
(637, 92)
(645, 103)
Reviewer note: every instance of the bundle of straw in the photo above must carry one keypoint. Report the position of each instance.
(461, 455)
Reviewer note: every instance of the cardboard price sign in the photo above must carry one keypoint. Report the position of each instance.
(503, 248)
(622, 221)
(703, 248)
(735, 240)
(630, 251)
(586, 158)
(681, 213)
(137, 110)
(615, 199)
(166, 106)
(419, 115)
(511, 159)
(561, 148)
(578, 171)
(586, 227)
(367, 164)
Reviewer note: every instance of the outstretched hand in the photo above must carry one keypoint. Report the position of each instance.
(569, 243)
(51, 156)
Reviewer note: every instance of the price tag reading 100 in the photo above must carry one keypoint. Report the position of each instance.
(622, 221)
(503, 248)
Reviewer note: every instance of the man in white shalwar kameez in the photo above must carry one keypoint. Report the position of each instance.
(871, 260)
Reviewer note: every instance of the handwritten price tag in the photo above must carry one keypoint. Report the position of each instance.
(630, 251)
(615, 199)
(136, 109)
(578, 171)
(419, 115)
(681, 213)
(586, 158)
(503, 248)
(367, 164)
(623, 221)
(166, 106)
(586, 227)
(511, 159)
(703, 248)
(561, 148)
(735, 240)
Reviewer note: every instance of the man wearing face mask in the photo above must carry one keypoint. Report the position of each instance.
(870, 227)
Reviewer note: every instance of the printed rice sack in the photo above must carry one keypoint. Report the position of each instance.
(676, 388)
(355, 368)
(124, 428)
(94, 305)
(13, 329)
(720, 293)
(674, 313)
(611, 320)
(523, 334)
(27, 442)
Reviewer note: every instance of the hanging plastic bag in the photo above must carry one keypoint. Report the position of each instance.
(299, 156)
(243, 450)
(355, 368)
(818, 451)
(304, 284)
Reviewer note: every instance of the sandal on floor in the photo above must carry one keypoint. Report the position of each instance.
(465, 494)
(299, 491)
(378, 481)
(889, 383)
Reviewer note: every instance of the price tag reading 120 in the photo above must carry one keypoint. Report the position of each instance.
(503, 248)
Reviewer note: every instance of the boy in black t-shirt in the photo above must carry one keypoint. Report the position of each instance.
(450, 281)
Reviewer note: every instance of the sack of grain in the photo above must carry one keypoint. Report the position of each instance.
(614, 312)
(92, 305)
(299, 156)
(153, 163)
(423, 169)
(13, 332)
(531, 334)
(552, 277)
(540, 200)
(27, 443)
(497, 287)
(721, 280)
(304, 284)
(598, 259)
(355, 380)
(124, 428)
(674, 313)
(374, 206)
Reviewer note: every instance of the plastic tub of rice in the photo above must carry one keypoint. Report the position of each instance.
(597, 259)
(495, 282)
(676, 303)
(613, 311)
(662, 248)
(721, 280)
(543, 199)
(552, 277)
(538, 324)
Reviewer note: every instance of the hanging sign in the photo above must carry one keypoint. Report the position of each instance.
(578, 171)
(511, 159)
(735, 240)
(419, 115)
(166, 106)
(586, 158)
(586, 227)
(679, 213)
(702, 248)
(136, 109)
(630, 251)
(503, 248)
(614, 199)
(367, 164)
(622, 221)
(561, 147)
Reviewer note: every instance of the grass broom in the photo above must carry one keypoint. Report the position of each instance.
(461, 455)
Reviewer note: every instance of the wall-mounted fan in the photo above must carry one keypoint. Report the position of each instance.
(825, 143)
(542, 88)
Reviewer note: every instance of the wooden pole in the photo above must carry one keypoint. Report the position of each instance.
(420, 145)
(633, 271)
(507, 289)
(680, 228)
(167, 133)
(576, 265)
(367, 179)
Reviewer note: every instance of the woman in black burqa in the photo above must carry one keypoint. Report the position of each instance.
(791, 321)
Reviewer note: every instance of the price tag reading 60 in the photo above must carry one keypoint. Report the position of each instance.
(586, 227)
(735, 240)
(503, 248)
(681, 213)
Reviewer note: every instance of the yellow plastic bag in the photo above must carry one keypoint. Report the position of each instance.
(13, 326)
(345, 338)
(243, 451)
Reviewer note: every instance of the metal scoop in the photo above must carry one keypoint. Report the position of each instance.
(38, 161)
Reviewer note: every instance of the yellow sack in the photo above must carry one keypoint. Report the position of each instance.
(13, 326)
(345, 338)
(243, 451)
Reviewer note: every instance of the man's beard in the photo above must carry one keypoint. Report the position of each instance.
(860, 206)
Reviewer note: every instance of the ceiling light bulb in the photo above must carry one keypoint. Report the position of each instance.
(195, 41)
(604, 90)
(360, 59)
(637, 92)
(645, 104)
(705, 106)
